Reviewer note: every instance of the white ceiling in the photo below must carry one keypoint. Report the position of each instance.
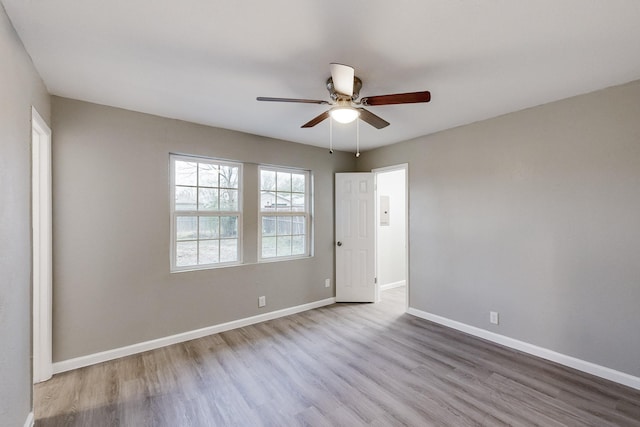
(206, 61)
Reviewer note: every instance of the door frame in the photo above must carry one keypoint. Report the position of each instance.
(42, 248)
(376, 171)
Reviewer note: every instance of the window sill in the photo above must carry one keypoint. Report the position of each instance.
(260, 261)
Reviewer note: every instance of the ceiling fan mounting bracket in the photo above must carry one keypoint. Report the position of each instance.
(357, 85)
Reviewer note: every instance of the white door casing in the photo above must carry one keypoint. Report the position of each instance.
(41, 207)
(355, 237)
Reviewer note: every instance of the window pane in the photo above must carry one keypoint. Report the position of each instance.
(297, 245)
(207, 199)
(208, 175)
(186, 227)
(267, 180)
(208, 252)
(267, 201)
(186, 173)
(228, 200)
(206, 188)
(284, 191)
(283, 246)
(186, 253)
(268, 247)
(185, 198)
(283, 181)
(268, 226)
(297, 202)
(228, 176)
(297, 183)
(298, 225)
(228, 226)
(284, 226)
(208, 227)
(228, 250)
(283, 201)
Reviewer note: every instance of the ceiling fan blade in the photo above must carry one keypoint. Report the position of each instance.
(372, 119)
(342, 76)
(397, 98)
(311, 123)
(304, 101)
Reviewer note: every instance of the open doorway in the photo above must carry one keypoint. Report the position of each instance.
(392, 233)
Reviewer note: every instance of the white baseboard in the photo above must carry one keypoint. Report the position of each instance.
(563, 359)
(30, 420)
(104, 356)
(393, 285)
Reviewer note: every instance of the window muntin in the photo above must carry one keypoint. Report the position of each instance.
(284, 213)
(206, 213)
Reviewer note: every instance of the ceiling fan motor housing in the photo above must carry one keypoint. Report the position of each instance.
(357, 85)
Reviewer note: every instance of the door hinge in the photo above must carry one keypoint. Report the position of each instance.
(375, 280)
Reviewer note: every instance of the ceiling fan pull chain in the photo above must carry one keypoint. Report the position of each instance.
(357, 137)
(330, 135)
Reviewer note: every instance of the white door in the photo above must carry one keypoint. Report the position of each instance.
(355, 238)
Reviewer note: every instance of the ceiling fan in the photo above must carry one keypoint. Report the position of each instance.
(344, 89)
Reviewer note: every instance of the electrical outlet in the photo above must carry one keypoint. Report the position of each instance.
(262, 301)
(493, 317)
(327, 283)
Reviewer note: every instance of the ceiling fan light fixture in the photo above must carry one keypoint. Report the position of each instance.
(344, 114)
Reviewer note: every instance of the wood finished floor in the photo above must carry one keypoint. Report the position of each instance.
(341, 365)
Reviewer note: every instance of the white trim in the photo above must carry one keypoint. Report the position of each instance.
(563, 359)
(42, 247)
(29, 422)
(92, 359)
(392, 285)
(392, 168)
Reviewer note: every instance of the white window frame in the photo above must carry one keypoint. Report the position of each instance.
(307, 213)
(203, 213)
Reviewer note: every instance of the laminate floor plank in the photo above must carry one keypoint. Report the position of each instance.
(341, 365)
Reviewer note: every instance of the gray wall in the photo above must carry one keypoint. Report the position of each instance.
(20, 88)
(536, 215)
(112, 285)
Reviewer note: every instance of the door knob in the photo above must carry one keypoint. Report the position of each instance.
(339, 243)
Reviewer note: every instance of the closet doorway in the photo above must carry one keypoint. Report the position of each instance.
(392, 230)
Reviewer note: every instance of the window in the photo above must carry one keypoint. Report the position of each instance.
(206, 213)
(284, 213)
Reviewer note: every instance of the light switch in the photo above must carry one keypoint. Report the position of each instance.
(384, 210)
